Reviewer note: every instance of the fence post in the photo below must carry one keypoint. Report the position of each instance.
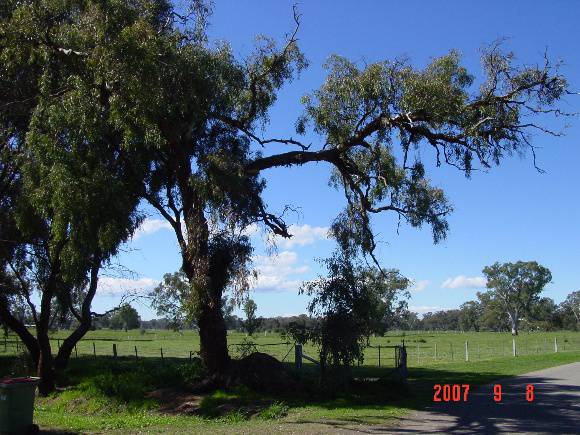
(514, 346)
(403, 362)
(58, 342)
(76, 353)
(555, 344)
(298, 357)
(435, 356)
(379, 355)
(136, 353)
(466, 351)
(161, 354)
(418, 361)
(190, 356)
(115, 350)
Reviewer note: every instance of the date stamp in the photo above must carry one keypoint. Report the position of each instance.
(460, 393)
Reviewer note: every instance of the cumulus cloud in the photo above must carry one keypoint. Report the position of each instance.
(150, 226)
(464, 282)
(419, 286)
(109, 286)
(302, 235)
(280, 272)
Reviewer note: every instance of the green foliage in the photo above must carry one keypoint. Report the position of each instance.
(247, 347)
(126, 317)
(170, 299)
(516, 287)
(252, 322)
(275, 411)
(109, 102)
(350, 302)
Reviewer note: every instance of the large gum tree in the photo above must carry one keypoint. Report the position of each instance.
(195, 112)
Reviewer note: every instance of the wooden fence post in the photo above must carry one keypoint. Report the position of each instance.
(402, 362)
(94, 350)
(76, 353)
(161, 354)
(298, 357)
(135, 353)
(115, 350)
(514, 347)
(466, 351)
(555, 344)
(379, 355)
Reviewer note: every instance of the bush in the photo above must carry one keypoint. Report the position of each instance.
(274, 411)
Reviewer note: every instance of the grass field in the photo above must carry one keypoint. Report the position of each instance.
(101, 396)
(104, 395)
(423, 348)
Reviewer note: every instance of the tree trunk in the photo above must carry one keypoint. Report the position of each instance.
(85, 319)
(514, 322)
(45, 368)
(213, 339)
(20, 329)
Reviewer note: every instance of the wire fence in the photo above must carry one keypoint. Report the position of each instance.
(438, 348)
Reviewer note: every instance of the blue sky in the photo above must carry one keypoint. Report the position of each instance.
(507, 214)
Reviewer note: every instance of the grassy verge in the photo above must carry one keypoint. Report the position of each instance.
(104, 397)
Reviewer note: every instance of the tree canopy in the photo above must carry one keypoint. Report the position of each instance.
(516, 286)
(113, 100)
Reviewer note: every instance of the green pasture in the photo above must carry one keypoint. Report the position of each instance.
(424, 348)
(100, 394)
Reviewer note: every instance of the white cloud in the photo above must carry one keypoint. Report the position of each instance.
(419, 286)
(464, 282)
(279, 272)
(422, 309)
(302, 235)
(109, 286)
(150, 226)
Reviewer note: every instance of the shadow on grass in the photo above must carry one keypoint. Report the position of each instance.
(365, 401)
(554, 408)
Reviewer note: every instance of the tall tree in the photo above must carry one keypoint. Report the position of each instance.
(516, 286)
(194, 113)
(67, 200)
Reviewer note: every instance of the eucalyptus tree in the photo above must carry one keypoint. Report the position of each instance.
(67, 200)
(186, 116)
(516, 287)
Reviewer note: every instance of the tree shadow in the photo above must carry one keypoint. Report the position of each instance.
(555, 408)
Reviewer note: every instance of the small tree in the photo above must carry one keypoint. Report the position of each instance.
(252, 323)
(516, 286)
(350, 301)
(469, 316)
(169, 299)
(126, 317)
